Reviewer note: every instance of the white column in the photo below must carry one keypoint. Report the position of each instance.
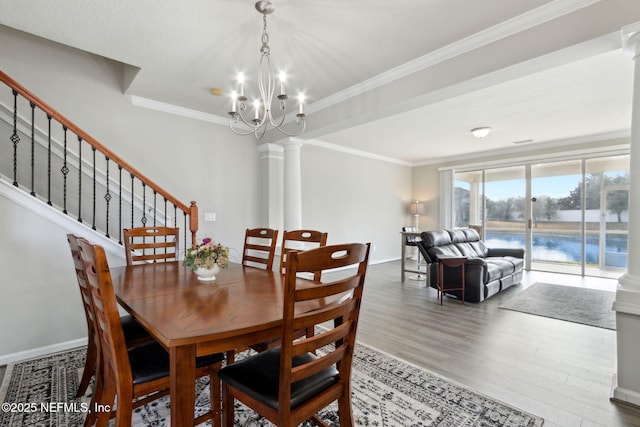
(627, 302)
(292, 184)
(271, 161)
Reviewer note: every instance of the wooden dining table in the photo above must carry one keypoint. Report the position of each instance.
(191, 318)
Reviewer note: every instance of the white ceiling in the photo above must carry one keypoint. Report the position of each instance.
(405, 80)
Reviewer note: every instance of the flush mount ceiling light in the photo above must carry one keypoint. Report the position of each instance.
(240, 122)
(481, 132)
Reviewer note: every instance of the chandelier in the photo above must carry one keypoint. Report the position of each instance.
(262, 114)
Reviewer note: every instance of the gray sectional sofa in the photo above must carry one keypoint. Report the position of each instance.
(487, 270)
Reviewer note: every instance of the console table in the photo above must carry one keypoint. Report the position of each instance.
(403, 258)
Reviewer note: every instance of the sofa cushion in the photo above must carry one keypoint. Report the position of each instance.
(435, 238)
(497, 268)
(450, 250)
(463, 235)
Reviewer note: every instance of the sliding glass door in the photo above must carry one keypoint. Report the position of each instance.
(505, 207)
(571, 216)
(556, 217)
(607, 204)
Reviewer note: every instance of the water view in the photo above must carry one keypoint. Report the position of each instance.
(563, 248)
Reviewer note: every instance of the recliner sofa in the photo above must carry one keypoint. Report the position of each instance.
(487, 270)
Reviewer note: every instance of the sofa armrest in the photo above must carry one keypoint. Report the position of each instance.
(499, 252)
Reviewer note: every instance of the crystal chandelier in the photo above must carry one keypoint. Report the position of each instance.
(240, 121)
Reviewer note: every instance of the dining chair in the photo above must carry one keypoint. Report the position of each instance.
(151, 244)
(295, 240)
(141, 372)
(301, 240)
(134, 333)
(291, 383)
(259, 247)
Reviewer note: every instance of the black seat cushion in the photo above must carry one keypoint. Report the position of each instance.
(151, 361)
(132, 329)
(258, 376)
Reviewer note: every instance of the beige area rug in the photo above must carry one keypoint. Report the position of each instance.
(591, 307)
(387, 392)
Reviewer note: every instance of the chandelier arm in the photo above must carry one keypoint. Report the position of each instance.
(266, 86)
(304, 126)
(240, 132)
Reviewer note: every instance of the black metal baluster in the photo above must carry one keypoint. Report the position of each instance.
(132, 200)
(93, 219)
(155, 211)
(49, 160)
(79, 179)
(33, 149)
(119, 204)
(155, 193)
(185, 231)
(15, 138)
(107, 197)
(65, 171)
(143, 220)
(166, 223)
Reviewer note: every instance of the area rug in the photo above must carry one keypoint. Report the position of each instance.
(387, 392)
(591, 307)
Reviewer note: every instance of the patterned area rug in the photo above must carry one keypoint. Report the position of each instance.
(591, 307)
(386, 392)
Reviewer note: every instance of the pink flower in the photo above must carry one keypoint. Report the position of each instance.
(206, 240)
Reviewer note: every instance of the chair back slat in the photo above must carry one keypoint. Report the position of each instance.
(259, 247)
(105, 308)
(335, 346)
(300, 240)
(151, 244)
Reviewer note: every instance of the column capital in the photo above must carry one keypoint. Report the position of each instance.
(270, 150)
(631, 38)
(292, 143)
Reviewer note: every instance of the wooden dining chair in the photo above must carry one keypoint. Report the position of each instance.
(134, 333)
(141, 372)
(151, 244)
(259, 247)
(295, 240)
(291, 383)
(300, 240)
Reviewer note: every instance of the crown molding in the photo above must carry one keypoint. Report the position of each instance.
(152, 104)
(360, 153)
(525, 21)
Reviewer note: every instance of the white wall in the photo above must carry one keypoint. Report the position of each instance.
(193, 160)
(355, 199)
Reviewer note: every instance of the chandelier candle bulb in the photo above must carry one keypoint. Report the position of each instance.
(301, 102)
(273, 116)
(283, 78)
(256, 108)
(241, 84)
(234, 105)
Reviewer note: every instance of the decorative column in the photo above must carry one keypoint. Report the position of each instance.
(627, 302)
(271, 161)
(292, 184)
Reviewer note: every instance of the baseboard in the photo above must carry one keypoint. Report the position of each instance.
(382, 261)
(623, 395)
(5, 359)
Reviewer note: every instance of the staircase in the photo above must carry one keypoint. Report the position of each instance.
(50, 158)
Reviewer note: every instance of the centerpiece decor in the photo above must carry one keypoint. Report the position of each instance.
(206, 259)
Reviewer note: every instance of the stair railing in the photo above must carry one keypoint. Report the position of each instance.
(51, 136)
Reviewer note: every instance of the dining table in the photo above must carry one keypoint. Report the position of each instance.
(192, 318)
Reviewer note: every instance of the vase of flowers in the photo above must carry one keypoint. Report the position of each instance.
(206, 259)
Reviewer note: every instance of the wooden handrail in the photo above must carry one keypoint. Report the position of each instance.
(191, 210)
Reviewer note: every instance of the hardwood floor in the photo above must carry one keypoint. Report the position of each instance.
(558, 370)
